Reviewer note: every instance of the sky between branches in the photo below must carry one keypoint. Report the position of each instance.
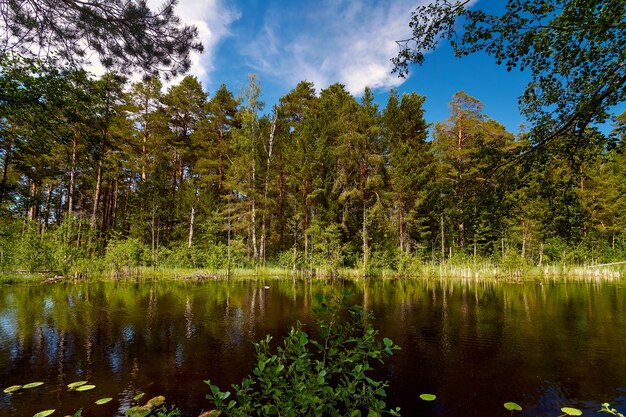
(328, 41)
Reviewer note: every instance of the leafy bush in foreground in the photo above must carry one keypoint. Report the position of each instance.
(329, 376)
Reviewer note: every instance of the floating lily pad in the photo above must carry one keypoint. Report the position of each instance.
(139, 396)
(428, 397)
(103, 400)
(85, 387)
(76, 384)
(32, 385)
(156, 401)
(44, 413)
(511, 406)
(572, 411)
(12, 388)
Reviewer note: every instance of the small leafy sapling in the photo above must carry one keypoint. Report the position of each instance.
(606, 408)
(328, 375)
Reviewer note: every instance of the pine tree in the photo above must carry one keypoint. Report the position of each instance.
(124, 34)
(410, 166)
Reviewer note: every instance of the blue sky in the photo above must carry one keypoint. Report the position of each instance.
(328, 41)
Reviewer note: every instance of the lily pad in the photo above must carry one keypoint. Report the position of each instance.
(103, 400)
(85, 387)
(32, 385)
(12, 388)
(511, 406)
(44, 413)
(76, 384)
(572, 411)
(428, 397)
(156, 401)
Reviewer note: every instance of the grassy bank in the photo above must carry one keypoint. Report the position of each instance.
(474, 270)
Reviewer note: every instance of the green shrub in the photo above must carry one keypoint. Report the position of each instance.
(292, 257)
(33, 253)
(330, 376)
(124, 255)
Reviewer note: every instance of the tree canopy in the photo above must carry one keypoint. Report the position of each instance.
(575, 51)
(124, 34)
(183, 177)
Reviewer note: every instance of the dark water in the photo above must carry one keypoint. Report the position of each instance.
(475, 345)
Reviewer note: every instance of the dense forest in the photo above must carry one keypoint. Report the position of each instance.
(105, 170)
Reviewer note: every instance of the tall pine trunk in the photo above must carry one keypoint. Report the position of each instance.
(265, 190)
(72, 179)
(96, 196)
(34, 205)
(192, 217)
(5, 168)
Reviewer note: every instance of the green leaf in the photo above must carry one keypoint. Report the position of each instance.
(33, 385)
(44, 413)
(12, 388)
(85, 387)
(428, 397)
(103, 400)
(388, 342)
(572, 411)
(511, 406)
(140, 396)
(76, 384)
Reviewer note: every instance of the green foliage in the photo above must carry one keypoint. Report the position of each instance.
(157, 41)
(124, 255)
(556, 40)
(606, 408)
(97, 175)
(205, 256)
(328, 248)
(329, 376)
(32, 252)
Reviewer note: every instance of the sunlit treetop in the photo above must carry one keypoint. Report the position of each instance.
(124, 35)
(575, 51)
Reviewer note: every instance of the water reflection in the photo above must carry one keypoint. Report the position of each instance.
(475, 344)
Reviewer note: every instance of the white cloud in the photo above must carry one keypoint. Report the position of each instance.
(334, 41)
(212, 18)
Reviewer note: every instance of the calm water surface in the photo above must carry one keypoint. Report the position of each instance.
(474, 344)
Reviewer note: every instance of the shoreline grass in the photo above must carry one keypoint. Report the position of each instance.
(445, 270)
